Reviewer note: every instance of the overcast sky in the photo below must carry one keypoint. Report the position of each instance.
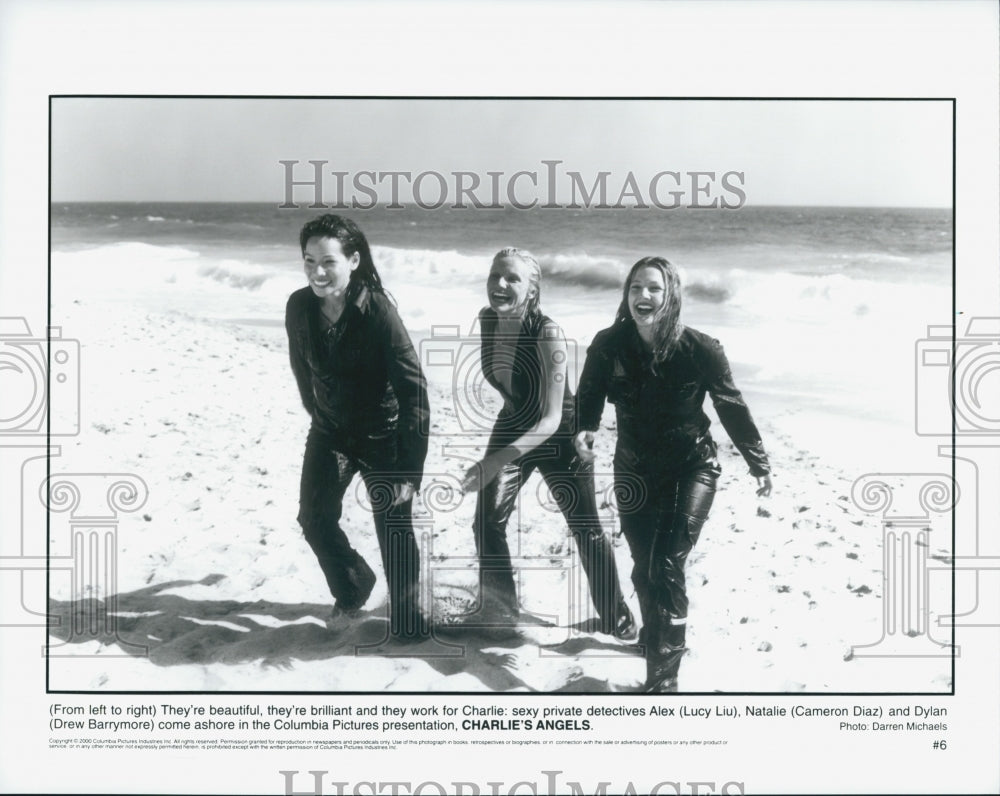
(841, 152)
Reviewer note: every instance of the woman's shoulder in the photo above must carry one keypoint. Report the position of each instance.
(298, 304)
(486, 321)
(547, 328)
(541, 326)
(378, 305)
(703, 348)
(300, 297)
(608, 339)
(698, 340)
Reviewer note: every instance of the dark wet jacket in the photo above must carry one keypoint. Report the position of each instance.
(360, 380)
(522, 405)
(661, 423)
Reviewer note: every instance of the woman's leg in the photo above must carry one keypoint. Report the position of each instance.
(326, 474)
(400, 555)
(638, 524)
(494, 505)
(572, 486)
(687, 501)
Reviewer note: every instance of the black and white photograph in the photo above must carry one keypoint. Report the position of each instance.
(436, 416)
(524, 398)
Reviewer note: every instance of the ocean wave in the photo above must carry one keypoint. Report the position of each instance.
(241, 275)
(583, 269)
(872, 257)
(143, 265)
(710, 293)
(428, 265)
(818, 299)
(810, 297)
(127, 253)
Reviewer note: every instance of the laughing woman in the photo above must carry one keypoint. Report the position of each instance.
(524, 358)
(361, 383)
(656, 372)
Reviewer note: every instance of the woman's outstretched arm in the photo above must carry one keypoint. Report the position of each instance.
(735, 416)
(410, 386)
(590, 397)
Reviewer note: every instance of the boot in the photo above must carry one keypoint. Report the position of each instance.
(624, 626)
(359, 581)
(647, 614)
(407, 623)
(598, 561)
(663, 656)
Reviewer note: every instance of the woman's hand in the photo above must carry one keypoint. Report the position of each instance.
(402, 493)
(480, 474)
(584, 444)
(763, 485)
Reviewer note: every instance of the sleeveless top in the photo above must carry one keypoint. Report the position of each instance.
(520, 355)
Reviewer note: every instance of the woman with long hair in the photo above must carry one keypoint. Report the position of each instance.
(361, 383)
(656, 372)
(524, 357)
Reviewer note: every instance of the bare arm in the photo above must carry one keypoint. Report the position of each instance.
(552, 353)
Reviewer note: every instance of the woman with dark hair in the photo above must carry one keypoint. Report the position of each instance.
(656, 372)
(361, 383)
(524, 358)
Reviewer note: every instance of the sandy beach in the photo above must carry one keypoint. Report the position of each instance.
(215, 589)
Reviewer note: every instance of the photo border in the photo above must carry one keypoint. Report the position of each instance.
(457, 98)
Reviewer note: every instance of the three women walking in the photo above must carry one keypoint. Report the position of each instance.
(361, 382)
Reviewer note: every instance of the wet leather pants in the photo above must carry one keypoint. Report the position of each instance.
(571, 484)
(661, 531)
(327, 472)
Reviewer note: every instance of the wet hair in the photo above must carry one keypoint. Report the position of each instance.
(352, 240)
(534, 274)
(667, 321)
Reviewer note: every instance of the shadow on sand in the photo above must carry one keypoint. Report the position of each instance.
(171, 630)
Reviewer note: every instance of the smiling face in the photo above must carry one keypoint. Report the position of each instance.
(327, 268)
(508, 286)
(647, 293)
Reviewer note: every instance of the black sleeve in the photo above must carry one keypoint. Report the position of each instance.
(410, 386)
(732, 409)
(593, 388)
(294, 323)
